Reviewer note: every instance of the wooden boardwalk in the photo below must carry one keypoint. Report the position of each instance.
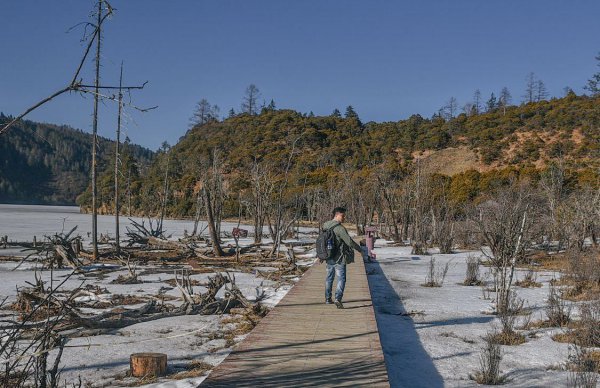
(303, 342)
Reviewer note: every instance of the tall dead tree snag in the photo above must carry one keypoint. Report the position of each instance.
(103, 11)
(165, 194)
(117, 163)
(95, 136)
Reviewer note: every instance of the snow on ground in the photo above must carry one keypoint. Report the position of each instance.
(432, 337)
(103, 360)
(22, 222)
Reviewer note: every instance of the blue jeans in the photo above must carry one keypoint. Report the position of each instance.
(340, 271)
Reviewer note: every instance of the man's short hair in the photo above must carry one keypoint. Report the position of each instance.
(339, 209)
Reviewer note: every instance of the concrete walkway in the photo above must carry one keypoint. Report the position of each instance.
(303, 342)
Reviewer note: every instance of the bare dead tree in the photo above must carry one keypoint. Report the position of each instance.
(552, 187)
(211, 185)
(165, 194)
(277, 224)
(504, 224)
(104, 10)
(263, 185)
(117, 161)
(250, 101)
(580, 212)
(204, 113)
(95, 137)
(419, 187)
(390, 192)
(442, 213)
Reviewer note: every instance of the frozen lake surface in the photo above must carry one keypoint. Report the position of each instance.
(22, 222)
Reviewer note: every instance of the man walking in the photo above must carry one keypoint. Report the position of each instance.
(336, 265)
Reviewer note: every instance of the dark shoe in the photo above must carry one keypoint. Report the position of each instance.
(328, 301)
(338, 304)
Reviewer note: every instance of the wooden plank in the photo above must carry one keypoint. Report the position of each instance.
(304, 342)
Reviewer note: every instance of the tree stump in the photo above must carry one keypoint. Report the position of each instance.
(148, 364)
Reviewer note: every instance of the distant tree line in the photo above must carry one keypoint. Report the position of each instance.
(49, 164)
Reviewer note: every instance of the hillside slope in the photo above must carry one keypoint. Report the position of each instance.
(475, 152)
(49, 164)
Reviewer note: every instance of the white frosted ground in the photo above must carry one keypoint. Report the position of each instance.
(439, 345)
(99, 359)
(22, 222)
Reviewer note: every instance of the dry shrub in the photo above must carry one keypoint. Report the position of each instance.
(508, 316)
(173, 282)
(588, 333)
(584, 366)
(127, 279)
(530, 280)
(489, 363)
(509, 338)
(193, 369)
(472, 275)
(464, 235)
(435, 276)
(557, 309)
(584, 266)
(419, 248)
(584, 272)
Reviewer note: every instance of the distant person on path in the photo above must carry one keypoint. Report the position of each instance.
(336, 265)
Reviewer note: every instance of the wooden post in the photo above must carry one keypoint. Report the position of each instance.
(148, 364)
(75, 245)
(34, 241)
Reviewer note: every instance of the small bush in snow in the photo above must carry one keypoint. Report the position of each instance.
(489, 362)
(584, 271)
(472, 276)
(583, 368)
(508, 316)
(435, 276)
(557, 309)
(530, 280)
(589, 333)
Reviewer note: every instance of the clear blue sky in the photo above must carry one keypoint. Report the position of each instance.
(389, 59)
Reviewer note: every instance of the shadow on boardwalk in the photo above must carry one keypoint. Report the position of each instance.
(408, 364)
(338, 375)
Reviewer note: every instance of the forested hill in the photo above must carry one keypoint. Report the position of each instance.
(475, 151)
(49, 164)
(531, 134)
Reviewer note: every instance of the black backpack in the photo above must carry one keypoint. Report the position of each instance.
(326, 244)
